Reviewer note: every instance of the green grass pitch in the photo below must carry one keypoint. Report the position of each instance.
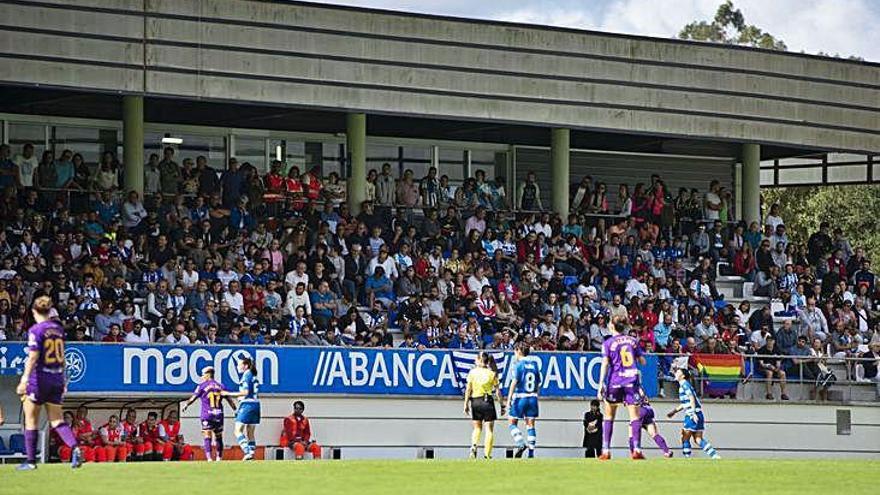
(458, 477)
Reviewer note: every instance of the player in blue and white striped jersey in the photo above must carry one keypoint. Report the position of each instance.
(694, 422)
(248, 415)
(522, 400)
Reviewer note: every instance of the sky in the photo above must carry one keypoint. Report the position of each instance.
(844, 27)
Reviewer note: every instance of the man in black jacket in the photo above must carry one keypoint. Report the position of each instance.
(209, 182)
(819, 244)
(355, 266)
(593, 430)
(764, 257)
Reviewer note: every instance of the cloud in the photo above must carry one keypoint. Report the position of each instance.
(844, 27)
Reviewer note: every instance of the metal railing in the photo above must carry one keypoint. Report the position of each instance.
(121, 193)
(752, 370)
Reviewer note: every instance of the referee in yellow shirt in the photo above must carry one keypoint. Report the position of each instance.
(479, 402)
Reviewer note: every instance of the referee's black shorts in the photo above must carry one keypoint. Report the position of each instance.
(483, 409)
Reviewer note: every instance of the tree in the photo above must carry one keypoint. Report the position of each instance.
(729, 27)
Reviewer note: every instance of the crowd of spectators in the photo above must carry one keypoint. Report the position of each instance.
(234, 256)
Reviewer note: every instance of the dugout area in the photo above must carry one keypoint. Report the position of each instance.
(100, 408)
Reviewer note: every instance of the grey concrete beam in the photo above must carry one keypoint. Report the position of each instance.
(77, 21)
(76, 76)
(518, 36)
(493, 86)
(367, 100)
(207, 34)
(89, 50)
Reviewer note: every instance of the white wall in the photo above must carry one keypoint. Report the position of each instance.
(397, 427)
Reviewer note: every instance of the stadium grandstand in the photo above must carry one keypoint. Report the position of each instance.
(360, 199)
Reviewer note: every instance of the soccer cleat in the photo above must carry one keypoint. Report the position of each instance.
(248, 456)
(784, 397)
(519, 452)
(473, 454)
(668, 455)
(605, 456)
(637, 455)
(487, 457)
(209, 459)
(26, 466)
(76, 459)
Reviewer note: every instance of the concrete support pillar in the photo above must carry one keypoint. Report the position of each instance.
(133, 143)
(356, 140)
(751, 183)
(560, 153)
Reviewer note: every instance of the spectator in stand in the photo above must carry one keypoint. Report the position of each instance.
(773, 219)
(764, 258)
(778, 256)
(766, 283)
(744, 263)
(803, 366)
(842, 243)
(770, 366)
(407, 194)
(27, 164)
(819, 244)
(429, 189)
(152, 176)
(385, 187)
(169, 172)
(786, 338)
(837, 265)
(307, 337)
(529, 194)
(133, 213)
(705, 330)
(712, 202)
(779, 237)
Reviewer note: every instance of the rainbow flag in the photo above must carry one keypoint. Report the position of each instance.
(720, 372)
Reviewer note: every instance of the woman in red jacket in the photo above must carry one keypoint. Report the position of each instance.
(744, 262)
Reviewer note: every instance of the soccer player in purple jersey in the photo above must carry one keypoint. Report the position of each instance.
(43, 383)
(211, 394)
(646, 416)
(621, 355)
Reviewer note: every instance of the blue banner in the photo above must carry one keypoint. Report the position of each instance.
(120, 369)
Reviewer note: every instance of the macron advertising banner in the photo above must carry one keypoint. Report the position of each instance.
(119, 369)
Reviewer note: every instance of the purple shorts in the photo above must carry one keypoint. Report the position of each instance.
(45, 388)
(627, 393)
(646, 415)
(212, 424)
